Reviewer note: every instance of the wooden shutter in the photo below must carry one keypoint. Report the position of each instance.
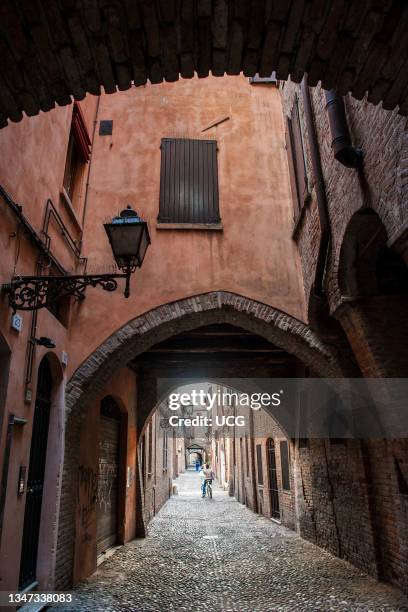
(80, 134)
(296, 157)
(299, 159)
(188, 181)
(284, 457)
(292, 171)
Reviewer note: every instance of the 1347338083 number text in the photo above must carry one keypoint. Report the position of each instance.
(12, 599)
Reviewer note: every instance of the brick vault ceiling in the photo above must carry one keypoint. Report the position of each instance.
(52, 50)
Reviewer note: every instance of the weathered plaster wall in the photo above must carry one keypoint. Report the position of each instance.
(31, 170)
(246, 257)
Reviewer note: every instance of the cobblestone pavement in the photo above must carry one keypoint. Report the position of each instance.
(217, 555)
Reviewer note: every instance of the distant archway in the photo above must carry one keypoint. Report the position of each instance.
(144, 331)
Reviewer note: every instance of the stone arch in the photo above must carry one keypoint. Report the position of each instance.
(170, 319)
(155, 326)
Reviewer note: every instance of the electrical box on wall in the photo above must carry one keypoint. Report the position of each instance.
(17, 322)
(105, 127)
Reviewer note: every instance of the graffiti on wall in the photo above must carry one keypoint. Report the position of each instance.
(107, 484)
(87, 496)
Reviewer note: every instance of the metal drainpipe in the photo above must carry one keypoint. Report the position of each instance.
(344, 152)
(318, 285)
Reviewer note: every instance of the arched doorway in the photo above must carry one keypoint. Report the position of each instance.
(36, 473)
(273, 479)
(108, 475)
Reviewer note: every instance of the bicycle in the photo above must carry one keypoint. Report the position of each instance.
(208, 488)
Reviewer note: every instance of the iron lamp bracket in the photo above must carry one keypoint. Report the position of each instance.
(35, 292)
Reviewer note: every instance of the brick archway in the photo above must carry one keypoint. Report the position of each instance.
(143, 332)
(70, 48)
(173, 318)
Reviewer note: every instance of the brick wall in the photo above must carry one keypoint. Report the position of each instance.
(242, 466)
(382, 184)
(332, 500)
(350, 497)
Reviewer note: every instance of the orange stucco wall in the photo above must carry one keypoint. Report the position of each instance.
(254, 254)
(32, 165)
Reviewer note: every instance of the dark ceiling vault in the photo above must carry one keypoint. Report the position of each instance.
(217, 350)
(50, 51)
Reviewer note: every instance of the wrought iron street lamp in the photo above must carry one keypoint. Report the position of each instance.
(129, 238)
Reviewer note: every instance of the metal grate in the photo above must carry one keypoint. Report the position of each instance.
(188, 181)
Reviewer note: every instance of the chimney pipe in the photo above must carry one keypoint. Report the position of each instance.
(344, 152)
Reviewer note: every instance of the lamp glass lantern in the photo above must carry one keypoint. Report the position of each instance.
(129, 238)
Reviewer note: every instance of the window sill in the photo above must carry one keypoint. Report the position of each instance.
(66, 200)
(190, 226)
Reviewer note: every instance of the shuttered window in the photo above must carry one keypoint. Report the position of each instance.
(284, 457)
(188, 181)
(259, 463)
(296, 158)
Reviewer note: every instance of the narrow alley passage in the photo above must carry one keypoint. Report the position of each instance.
(217, 555)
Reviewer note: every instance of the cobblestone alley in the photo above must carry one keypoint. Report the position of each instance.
(217, 555)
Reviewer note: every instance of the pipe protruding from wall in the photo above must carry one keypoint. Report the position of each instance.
(318, 180)
(344, 152)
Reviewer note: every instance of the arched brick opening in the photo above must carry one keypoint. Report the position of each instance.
(138, 336)
(373, 280)
(73, 48)
(167, 320)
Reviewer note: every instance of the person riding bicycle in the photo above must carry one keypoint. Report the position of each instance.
(207, 475)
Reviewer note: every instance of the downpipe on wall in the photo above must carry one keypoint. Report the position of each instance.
(322, 207)
(344, 152)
